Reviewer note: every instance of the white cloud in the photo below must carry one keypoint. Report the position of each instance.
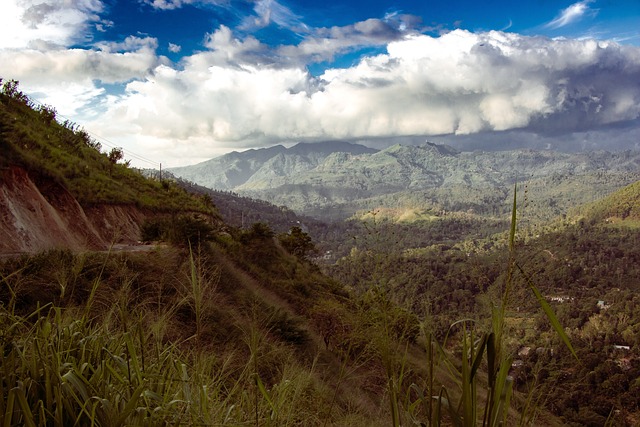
(324, 44)
(71, 79)
(74, 65)
(571, 14)
(131, 43)
(459, 83)
(271, 11)
(174, 48)
(319, 44)
(27, 23)
(225, 49)
(176, 4)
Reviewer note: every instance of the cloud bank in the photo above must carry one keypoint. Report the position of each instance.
(37, 23)
(459, 83)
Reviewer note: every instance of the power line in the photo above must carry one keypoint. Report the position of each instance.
(128, 153)
(104, 141)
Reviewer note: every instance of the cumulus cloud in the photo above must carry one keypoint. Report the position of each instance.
(29, 23)
(71, 79)
(131, 43)
(571, 14)
(459, 83)
(174, 48)
(324, 44)
(319, 44)
(74, 65)
(224, 48)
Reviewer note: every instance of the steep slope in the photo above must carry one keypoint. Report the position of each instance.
(228, 171)
(31, 221)
(57, 190)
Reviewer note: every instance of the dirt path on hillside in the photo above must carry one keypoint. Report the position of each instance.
(270, 297)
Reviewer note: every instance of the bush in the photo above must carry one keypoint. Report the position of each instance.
(182, 230)
(152, 230)
(190, 230)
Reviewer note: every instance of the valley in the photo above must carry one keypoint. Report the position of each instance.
(440, 249)
(320, 284)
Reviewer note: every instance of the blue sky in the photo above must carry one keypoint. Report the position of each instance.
(181, 81)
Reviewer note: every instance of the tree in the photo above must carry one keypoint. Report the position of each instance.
(115, 155)
(297, 243)
(47, 113)
(11, 89)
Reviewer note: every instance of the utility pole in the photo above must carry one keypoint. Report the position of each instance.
(160, 172)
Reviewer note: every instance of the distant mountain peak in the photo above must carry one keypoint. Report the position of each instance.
(442, 149)
(258, 165)
(330, 147)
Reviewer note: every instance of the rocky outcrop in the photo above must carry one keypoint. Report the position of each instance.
(37, 214)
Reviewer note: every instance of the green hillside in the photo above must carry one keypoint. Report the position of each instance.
(623, 206)
(32, 138)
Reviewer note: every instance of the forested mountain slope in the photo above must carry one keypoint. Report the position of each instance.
(344, 180)
(585, 266)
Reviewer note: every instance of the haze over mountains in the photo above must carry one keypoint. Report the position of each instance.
(335, 179)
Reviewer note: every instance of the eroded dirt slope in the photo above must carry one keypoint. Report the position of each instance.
(36, 214)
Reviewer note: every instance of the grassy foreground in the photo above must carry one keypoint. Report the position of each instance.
(99, 346)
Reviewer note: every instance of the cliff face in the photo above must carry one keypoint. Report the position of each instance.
(38, 215)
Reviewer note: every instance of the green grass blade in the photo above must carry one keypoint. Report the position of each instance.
(27, 416)
(9, 409)
(492, 361)
(555, 323)
(265, 393)
(512, 231)
(130, 406)
(443, 400)
(478, 357)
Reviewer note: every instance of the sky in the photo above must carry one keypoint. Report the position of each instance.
(181, 81)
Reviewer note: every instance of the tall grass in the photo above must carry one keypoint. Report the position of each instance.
(62, 367)
(114, 359)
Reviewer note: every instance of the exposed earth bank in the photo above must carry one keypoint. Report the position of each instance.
(38, 214)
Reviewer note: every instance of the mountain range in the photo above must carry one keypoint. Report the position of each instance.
(333, 180)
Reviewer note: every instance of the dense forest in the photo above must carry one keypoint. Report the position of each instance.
(588, 272)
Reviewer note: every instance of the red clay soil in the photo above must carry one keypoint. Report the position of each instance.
(36, 217)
